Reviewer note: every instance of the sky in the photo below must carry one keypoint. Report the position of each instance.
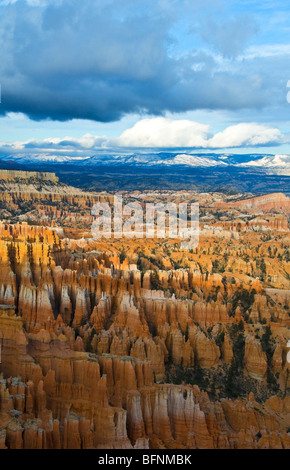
(82, 76)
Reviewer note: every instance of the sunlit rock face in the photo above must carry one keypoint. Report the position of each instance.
(107, 344)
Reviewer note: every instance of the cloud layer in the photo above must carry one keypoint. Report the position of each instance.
(100, 60)
(155, 133)
(161, 132)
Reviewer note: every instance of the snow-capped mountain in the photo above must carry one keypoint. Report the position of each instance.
(191, 160)
(271, 161)
(279, 164)
(276, 164)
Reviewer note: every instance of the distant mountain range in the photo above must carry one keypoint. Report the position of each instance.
(257, 173)
(277, 163)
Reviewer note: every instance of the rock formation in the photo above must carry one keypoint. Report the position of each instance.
(154, 348)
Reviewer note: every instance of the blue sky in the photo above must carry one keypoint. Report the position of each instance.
(77, 76)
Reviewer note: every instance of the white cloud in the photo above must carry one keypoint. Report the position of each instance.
(245, 134)
(162, 132)
(270, 161)
(87, 141)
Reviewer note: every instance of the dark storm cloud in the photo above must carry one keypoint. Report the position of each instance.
(65, 59)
